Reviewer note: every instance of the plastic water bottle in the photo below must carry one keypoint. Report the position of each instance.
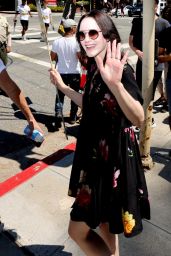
(36, 136)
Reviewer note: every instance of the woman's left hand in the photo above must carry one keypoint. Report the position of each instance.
(111, 71)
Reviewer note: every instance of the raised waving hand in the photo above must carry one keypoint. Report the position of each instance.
(111, 71)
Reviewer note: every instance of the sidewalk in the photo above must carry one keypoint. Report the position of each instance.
(34, 204)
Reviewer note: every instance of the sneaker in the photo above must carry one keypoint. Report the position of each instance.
(164, 108)
(153, 123)
(24, 38)
(160, 102)
(73, 119)
(58, 120)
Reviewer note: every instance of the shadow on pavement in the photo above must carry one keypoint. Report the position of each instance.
(46, 250)
(163, 156)
(8, 247)
(12, 142)
(46, 119)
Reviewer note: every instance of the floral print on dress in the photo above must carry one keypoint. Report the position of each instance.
(115, 177)
(130, 152)
(109, 104)
(82, 176)
(131, 133)
(128, 222)
(104, 149)
(141, 191)
(83, 197)
(107, 174)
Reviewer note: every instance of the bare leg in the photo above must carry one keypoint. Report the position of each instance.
(110, 239)
(88, 240)
(23, 32)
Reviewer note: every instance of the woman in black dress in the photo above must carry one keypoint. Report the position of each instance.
(107, 179)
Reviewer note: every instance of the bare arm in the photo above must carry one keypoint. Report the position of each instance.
(9, 48)
(131, 107)
(54, 56)
(138, 52)
(15, 17)
(50, 18)
(163, 57)
(111, 73)
(13, 91)
(30, 13)
(58, 82)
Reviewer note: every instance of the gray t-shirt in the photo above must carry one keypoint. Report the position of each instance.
(160, 25)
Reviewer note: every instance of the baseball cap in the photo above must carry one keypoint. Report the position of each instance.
(68, 23)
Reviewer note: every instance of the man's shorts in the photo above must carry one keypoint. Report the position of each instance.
(24, 24)
(46, 25)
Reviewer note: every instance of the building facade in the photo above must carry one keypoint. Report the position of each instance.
(11, 5)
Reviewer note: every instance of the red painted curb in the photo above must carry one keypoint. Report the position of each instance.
(28, 173)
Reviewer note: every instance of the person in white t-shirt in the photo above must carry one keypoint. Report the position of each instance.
(24, 11)
(16, 95)
(66, 52)
(46, 15)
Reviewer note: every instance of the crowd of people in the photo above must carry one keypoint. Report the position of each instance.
(107, 178)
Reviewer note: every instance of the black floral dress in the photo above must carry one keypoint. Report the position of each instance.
(107, 178)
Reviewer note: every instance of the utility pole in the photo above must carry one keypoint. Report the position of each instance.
(93, 4)
(147, 80)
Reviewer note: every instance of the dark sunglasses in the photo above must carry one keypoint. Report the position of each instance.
(93, 34)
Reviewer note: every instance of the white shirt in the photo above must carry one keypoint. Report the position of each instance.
(24, 11)
(2, 66)
(46, 12)
(67, 48)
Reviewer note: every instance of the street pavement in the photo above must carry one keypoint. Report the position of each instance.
(34, 206)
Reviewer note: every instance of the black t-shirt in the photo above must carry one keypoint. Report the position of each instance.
(165, 42)
(160, 25)
(137, 32)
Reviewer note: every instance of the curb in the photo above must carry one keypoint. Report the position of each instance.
(16, 180)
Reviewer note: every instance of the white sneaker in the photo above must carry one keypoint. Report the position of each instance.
(24, 38)
(153, 123)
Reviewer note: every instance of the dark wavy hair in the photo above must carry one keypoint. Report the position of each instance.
(105, 24)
